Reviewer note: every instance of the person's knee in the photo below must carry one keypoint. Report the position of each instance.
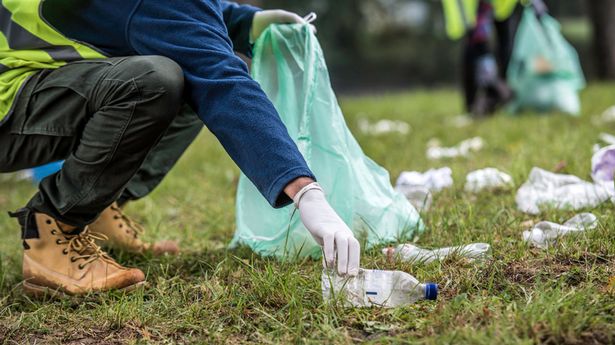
(160, 80)
(163, 73)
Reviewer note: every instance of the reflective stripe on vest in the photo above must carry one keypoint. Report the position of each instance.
(460, 15)
(28, 44)
(503, 9)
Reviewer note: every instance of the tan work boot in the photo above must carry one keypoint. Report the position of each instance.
(58, 262)
(123, 233)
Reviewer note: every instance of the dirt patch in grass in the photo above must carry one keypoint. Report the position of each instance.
(589, 337)
(81, 336)
(574, 269)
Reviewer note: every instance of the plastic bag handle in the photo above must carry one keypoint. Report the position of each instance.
(310, 17)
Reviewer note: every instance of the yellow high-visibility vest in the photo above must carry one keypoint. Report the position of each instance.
(460, 15)
(504, 8)
(28, 44)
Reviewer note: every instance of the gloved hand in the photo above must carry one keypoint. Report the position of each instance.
(263, 19)
(328, 229)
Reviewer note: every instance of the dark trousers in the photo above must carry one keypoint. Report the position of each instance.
(117, 124)
(505, 31)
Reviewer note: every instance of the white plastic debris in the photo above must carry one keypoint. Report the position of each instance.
(545, 233)
(17, 176)
(411, 253)
(419, 196)
(418, 187)
(376, 288)
(27, 174)
(607, 138)
(607, 116)
(383, 127)
(463, 149)
(461, 121)
(433, 179)
(547, 189)
(487, 179)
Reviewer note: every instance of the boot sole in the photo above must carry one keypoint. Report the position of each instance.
(41, 292)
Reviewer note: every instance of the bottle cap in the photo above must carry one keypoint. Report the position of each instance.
(431, 291)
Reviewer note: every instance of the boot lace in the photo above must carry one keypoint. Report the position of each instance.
(85, 246)
(134, 227)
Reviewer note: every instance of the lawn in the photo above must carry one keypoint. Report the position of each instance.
(210, 294)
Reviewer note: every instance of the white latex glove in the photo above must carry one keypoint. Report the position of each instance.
(263, 19)
(328, 229)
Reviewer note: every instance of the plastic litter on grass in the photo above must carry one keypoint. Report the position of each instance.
(376, 288)
(419, 196)
(487, 179)
(433, 179)
(418, 187)
(603, 169)
(461, 121)
(411, 253)
(607, 116)
(383, 127)
(463, 149)
(607, 138)
(544, 234)
(545, 189)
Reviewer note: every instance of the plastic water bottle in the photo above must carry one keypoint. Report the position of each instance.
(378, 288)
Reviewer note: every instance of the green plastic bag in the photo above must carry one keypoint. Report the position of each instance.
(544, 70)
(289, 65)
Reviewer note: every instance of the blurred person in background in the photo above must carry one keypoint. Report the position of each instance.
(483, 71)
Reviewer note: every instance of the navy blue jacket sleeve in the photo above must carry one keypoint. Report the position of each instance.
(219, 88)
(238, 21)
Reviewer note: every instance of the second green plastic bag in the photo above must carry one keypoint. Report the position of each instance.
(544, 69)
(289, 65)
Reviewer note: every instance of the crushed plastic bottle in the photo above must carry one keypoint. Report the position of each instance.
(376, 288)
(411, 253)
(544, 234)
(546, 189)
(487, 179)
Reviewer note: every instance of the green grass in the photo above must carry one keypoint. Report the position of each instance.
(212, 295)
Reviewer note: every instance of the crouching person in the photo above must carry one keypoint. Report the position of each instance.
(103, 117)
(101, 84)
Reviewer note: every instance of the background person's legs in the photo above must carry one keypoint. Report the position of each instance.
(181, 133)
(484, 80)
(506, 31)
(103, 117)
(476, 47)
(471, 53)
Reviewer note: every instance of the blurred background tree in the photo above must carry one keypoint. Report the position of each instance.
(373, 45)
